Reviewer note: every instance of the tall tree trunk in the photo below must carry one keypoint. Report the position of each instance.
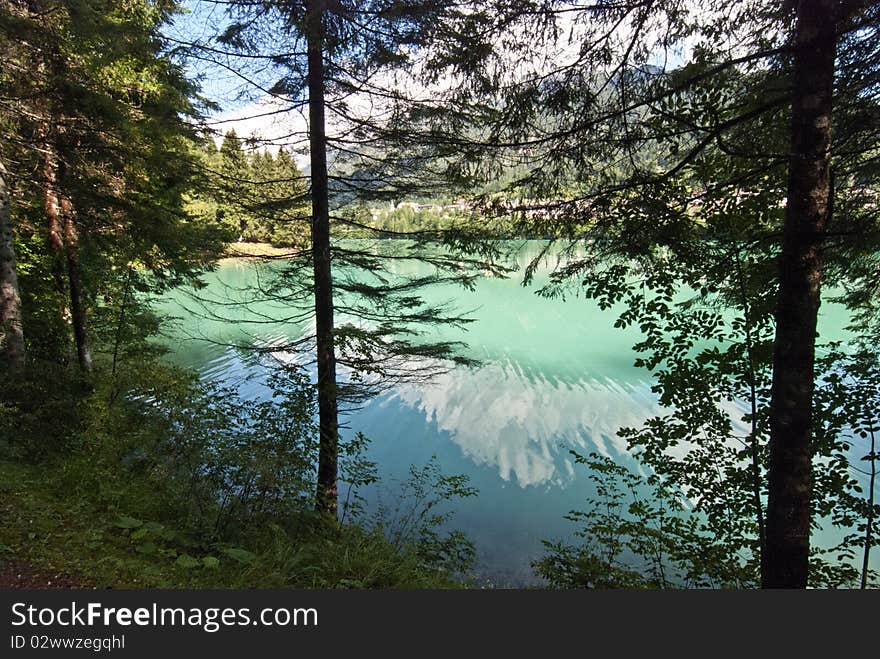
(328, 422)
(12, 351)
(75, 286)
(47, 68)
(52, 204)
(786, 560)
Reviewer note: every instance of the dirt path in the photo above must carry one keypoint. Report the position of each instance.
(15, 574)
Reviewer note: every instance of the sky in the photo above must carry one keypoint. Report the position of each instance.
(241, 106)
(200, 23)
(234, 86)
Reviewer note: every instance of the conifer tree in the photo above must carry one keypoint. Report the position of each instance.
(321, 56)
(101, 151)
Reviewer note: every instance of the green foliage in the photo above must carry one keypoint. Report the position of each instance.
(356, 472)
(419, 518)
(217, 465)
(179, 483)
(639, 532)
(848, 411)
(699, 282)
(253, 195)
(42, 416)
(707, 334)
(402, 221)
(57, 524)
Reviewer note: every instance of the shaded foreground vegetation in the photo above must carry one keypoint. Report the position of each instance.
(183, 485)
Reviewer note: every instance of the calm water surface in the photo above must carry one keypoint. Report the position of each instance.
(554, 375)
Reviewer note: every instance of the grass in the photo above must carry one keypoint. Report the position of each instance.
(47, 523)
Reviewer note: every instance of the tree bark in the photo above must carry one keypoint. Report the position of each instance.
(12, 349)
(328, 422)
(78, 312)
(52, 205)
(786, 560)
(63, 240)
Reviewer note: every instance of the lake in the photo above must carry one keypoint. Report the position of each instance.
(555, 375)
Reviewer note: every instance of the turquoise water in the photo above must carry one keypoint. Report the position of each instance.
(555, 375)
